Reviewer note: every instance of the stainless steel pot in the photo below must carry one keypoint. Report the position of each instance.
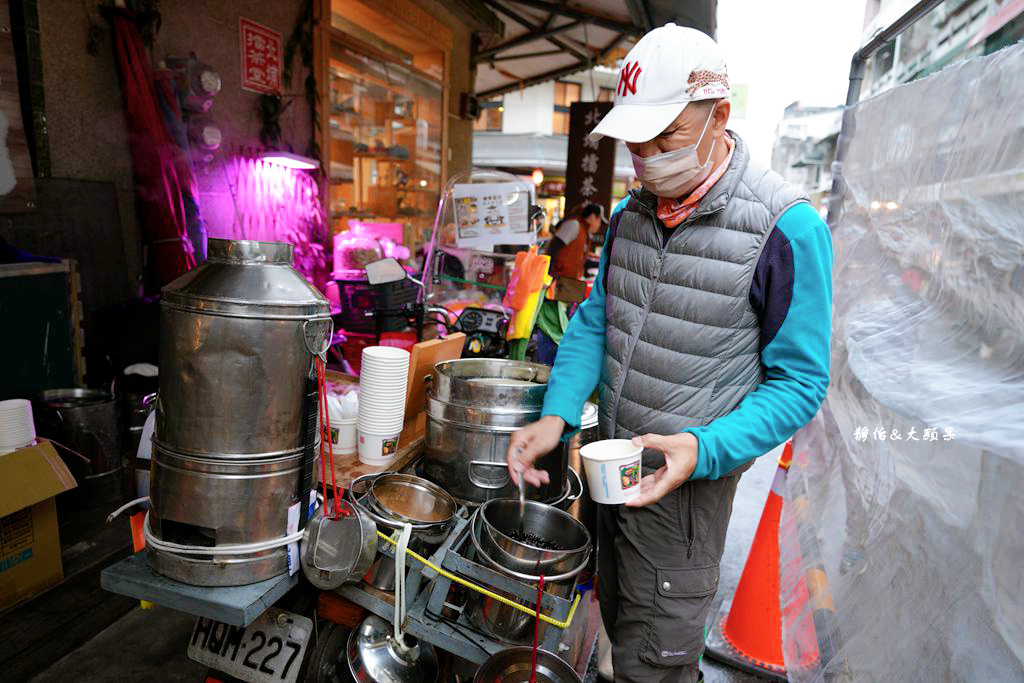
(426, 536)
(473, 409)
(491, 382)
(514, 664)
(216, 497)
(236, 413)
(497, 619)
(89, 422)
(584, 509)
(466, 447)
(510, 530)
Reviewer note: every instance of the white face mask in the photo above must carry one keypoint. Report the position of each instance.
(676, 173)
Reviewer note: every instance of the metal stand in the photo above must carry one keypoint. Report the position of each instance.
(425, 617)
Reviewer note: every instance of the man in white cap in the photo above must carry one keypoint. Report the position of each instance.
(708, 334)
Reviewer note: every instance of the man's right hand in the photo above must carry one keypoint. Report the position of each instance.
(532, 442)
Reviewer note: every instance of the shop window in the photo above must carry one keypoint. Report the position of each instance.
(606, 95)
(491, 116)
(384, 156)
(565, 95)
(384, 110)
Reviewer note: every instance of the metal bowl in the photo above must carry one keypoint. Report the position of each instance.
(514, 666)
(374, 655)
(504, 522)
(408, 498)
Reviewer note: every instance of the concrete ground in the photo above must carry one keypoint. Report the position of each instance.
(149, 645)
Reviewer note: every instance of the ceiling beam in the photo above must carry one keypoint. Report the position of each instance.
(524, 55)
(525, 23)
(534, 80)
(528, 37)
(571, 13)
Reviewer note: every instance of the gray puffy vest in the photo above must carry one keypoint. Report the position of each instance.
(683, 341)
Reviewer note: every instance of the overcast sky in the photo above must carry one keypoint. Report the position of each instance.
(786, 50)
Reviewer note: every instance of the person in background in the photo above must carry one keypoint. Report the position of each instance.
(569, 245)
(707, 331)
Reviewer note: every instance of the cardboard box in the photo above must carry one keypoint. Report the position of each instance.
(30, 560)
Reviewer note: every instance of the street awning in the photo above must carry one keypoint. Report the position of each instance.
(1004, 15)
(544, 40)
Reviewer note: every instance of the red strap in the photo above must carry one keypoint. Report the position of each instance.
(536, 632)
(321, 375)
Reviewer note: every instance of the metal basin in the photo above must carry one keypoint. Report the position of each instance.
(531, 537)
(407, 498)
(497, 619)
(426, 536)
(514, 666)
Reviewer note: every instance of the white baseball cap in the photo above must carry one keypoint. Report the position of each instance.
(667, 69)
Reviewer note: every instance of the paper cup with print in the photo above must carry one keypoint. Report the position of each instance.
(378, 449)
(613, 470)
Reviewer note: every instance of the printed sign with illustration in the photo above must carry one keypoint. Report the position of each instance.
(487, 214)
(630, 475)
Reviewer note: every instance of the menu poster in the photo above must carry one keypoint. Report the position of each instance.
(487, 214)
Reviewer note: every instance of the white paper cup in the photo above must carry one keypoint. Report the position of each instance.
(613, 470)
(386, 353)
(379, 426)
(343, 436)
(378, 449)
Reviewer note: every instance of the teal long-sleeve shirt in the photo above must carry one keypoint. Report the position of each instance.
(792, 295)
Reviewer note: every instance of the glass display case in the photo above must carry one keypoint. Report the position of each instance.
(384, 159)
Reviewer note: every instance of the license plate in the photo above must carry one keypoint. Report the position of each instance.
(269, 649)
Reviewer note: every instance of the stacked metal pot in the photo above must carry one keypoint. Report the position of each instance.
(392, 499)
(524, 541)
(474, 406)
(236, 427)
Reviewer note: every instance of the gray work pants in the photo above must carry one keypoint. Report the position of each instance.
(658, 569)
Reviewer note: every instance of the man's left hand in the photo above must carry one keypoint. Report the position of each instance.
(680, 460)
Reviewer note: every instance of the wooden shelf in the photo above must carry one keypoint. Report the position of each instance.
(383, 157)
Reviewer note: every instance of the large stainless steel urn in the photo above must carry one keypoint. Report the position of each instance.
(236, 426)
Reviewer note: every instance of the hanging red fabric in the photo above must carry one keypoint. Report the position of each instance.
(160, 175)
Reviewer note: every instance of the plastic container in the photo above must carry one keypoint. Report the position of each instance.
(378, 449)
(613, 470)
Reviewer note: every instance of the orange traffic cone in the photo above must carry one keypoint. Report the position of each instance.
(749, 635)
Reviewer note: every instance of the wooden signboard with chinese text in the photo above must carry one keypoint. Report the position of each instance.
(590, 164)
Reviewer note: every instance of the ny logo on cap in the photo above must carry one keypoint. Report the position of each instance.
(630, 70)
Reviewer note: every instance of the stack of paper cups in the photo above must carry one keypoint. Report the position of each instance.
(383, 379)
(17, 429)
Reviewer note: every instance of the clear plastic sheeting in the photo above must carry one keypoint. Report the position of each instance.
(902, 534)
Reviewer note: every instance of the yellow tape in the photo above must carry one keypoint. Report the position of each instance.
(491, 594)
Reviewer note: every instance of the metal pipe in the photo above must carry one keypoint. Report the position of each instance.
(857, 68)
